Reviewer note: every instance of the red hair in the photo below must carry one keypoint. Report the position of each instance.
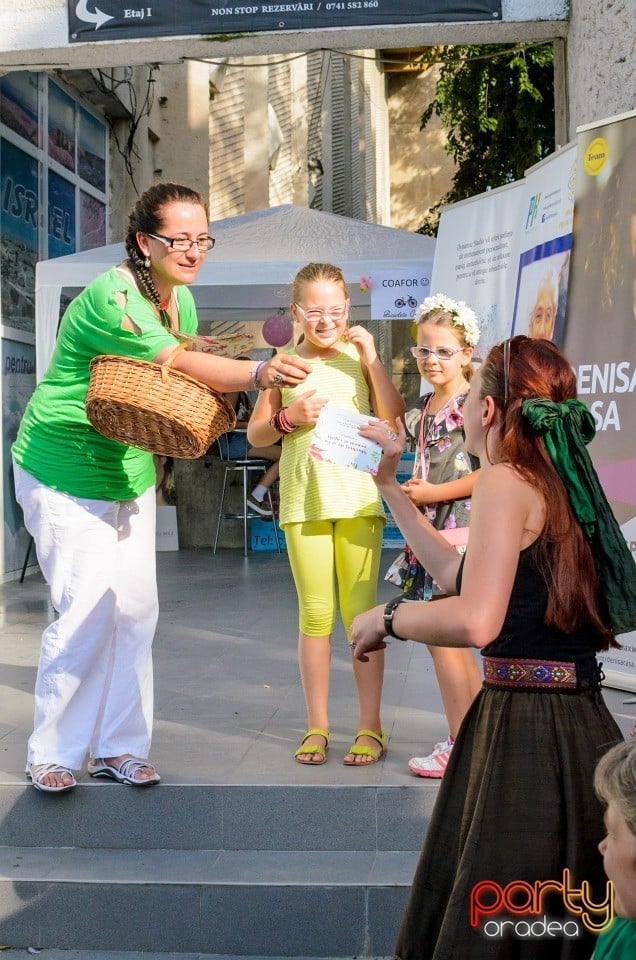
(538, 369)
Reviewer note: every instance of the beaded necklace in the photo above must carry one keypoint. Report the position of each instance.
(162, 307)
(164, 316)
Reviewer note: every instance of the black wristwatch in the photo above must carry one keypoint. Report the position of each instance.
(389, 612)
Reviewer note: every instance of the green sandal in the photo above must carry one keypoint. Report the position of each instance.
(367, 751)
(307, 749)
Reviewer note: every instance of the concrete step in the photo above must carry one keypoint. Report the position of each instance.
(136, 955)
(308, 903)
(240, 871)
(104, 815)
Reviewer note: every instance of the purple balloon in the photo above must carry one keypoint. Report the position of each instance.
(278, 330)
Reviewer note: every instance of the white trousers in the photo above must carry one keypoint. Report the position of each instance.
(94, 688)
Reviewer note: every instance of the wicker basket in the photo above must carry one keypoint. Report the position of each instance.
(152, 406)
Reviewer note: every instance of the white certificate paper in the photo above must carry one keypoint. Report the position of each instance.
(337, 440)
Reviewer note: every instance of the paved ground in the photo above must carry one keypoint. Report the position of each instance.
(229, 706)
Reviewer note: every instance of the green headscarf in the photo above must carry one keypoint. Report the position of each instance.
(566, 428)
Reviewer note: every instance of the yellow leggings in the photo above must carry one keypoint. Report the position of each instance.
(318, 549)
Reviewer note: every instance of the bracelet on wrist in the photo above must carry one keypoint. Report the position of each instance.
(285, 422)
(389, 613)
(281, 422)
(256, 370)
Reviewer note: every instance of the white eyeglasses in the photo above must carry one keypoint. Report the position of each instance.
(314, 316)
(442, 353)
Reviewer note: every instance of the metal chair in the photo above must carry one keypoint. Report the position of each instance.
(243, 466)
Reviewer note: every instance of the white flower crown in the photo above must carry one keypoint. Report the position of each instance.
(462, 315)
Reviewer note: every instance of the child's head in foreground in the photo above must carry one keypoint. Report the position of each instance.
(615, 785)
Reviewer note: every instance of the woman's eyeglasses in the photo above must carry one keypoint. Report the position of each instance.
(182, 244)
(315, 316)
(442, 353)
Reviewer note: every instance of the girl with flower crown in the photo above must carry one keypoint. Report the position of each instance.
(441, 486)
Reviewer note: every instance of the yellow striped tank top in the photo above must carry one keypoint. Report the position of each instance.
(310, 490)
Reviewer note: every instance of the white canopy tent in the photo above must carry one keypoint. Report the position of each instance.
(248, 274)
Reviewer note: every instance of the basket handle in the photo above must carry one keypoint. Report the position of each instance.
(165, 366)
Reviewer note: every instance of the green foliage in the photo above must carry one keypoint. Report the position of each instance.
(496, 104)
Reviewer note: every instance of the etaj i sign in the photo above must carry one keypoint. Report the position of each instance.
(90, 21)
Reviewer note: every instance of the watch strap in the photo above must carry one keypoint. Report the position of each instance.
(389, 612)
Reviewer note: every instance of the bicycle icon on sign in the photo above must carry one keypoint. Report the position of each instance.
(409, 302)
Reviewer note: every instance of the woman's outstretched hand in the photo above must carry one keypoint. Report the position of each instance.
(368, 633)
(392, 444)
(283, 370)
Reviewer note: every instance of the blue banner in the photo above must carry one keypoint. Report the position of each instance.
(94, 20)
(19, 217)
(61, 216)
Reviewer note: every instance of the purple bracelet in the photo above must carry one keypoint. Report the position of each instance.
(256, 373)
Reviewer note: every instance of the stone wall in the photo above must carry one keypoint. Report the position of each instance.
(600, 60)
(421, 170)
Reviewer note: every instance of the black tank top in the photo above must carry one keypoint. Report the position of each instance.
(524, 633)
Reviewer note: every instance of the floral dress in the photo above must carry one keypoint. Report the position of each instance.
(440, 456)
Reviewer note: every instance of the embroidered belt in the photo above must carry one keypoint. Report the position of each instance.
(531, 674)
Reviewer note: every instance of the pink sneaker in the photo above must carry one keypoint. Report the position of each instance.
(434, 765)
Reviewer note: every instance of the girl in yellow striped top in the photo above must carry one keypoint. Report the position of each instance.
(332, 515)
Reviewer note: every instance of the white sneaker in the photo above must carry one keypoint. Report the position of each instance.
(261, 508)
(434, 765)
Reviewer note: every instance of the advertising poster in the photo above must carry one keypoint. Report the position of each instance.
(545, 244)
(397, 293)
(117, 20)
(61, 216)
(19, 104)
(92, 232)
(19, 229)
(475, 243)
(92, 150)
(600, 338)
(18, 383)
(61, 126)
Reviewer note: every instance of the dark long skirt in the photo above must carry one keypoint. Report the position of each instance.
(516, 804)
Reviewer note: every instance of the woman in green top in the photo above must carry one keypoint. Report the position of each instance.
(89, 502)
